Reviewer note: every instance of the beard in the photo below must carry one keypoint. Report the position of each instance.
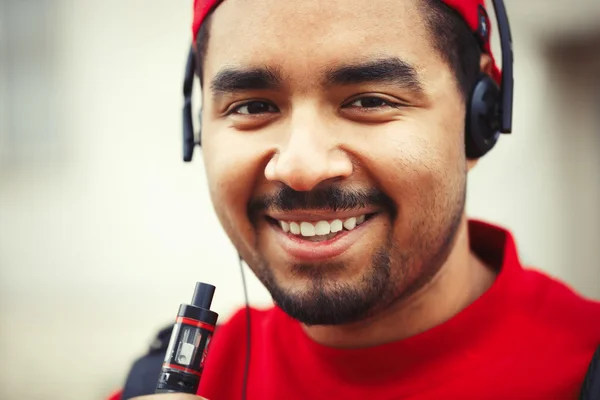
(392, 274)
(328, 301)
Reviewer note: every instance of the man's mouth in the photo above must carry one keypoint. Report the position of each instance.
(322, 230)
(318, 236)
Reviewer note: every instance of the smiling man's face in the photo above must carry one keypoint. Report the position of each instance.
(334, 149)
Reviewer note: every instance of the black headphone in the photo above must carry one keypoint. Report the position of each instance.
(489, 110)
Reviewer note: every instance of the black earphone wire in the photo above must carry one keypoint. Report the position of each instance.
(248, 338)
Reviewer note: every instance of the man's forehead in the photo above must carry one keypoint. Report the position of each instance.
(314, 32)
(279, 17)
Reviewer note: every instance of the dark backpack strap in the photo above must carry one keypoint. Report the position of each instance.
(143, 375)
(591, 385)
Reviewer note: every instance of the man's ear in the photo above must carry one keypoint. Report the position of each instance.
(471, 163)
(486, 64)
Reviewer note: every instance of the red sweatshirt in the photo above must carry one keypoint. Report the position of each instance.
(528, 337)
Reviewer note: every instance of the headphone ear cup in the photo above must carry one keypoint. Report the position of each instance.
(188, 124)
(482, 123)
(188, 132)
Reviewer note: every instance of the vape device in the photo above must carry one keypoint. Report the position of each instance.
(182, 368)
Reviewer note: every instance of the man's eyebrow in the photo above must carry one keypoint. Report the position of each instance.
(231, 80)
(388, 70)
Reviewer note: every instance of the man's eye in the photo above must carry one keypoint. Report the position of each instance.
(254, 107)
(371, 102)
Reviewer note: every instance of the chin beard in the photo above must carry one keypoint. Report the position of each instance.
(327, 301)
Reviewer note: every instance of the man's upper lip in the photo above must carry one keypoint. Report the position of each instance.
(319, 215)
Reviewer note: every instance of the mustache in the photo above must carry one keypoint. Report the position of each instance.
(331, 198)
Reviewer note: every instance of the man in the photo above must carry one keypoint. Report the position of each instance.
(334, 146)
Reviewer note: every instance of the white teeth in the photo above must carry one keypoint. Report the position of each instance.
(307, 229)
(350, 223)
(322, 228)
(294, 228)
(336, 226)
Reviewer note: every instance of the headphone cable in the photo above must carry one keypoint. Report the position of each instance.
(248, 341)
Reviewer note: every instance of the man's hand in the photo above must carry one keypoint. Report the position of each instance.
(170, 396)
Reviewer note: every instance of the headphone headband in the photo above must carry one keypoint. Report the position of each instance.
(507, 84)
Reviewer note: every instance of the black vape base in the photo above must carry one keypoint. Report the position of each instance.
(173, 381)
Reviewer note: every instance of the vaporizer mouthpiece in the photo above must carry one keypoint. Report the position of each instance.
(203, 295)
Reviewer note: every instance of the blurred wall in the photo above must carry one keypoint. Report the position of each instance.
(104, 230)
(575, 111)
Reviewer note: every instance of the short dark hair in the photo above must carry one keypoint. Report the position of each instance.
(456, 43)
(451, 35)
(202, 46)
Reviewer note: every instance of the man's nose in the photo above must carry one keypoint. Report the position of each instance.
(309, 157)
